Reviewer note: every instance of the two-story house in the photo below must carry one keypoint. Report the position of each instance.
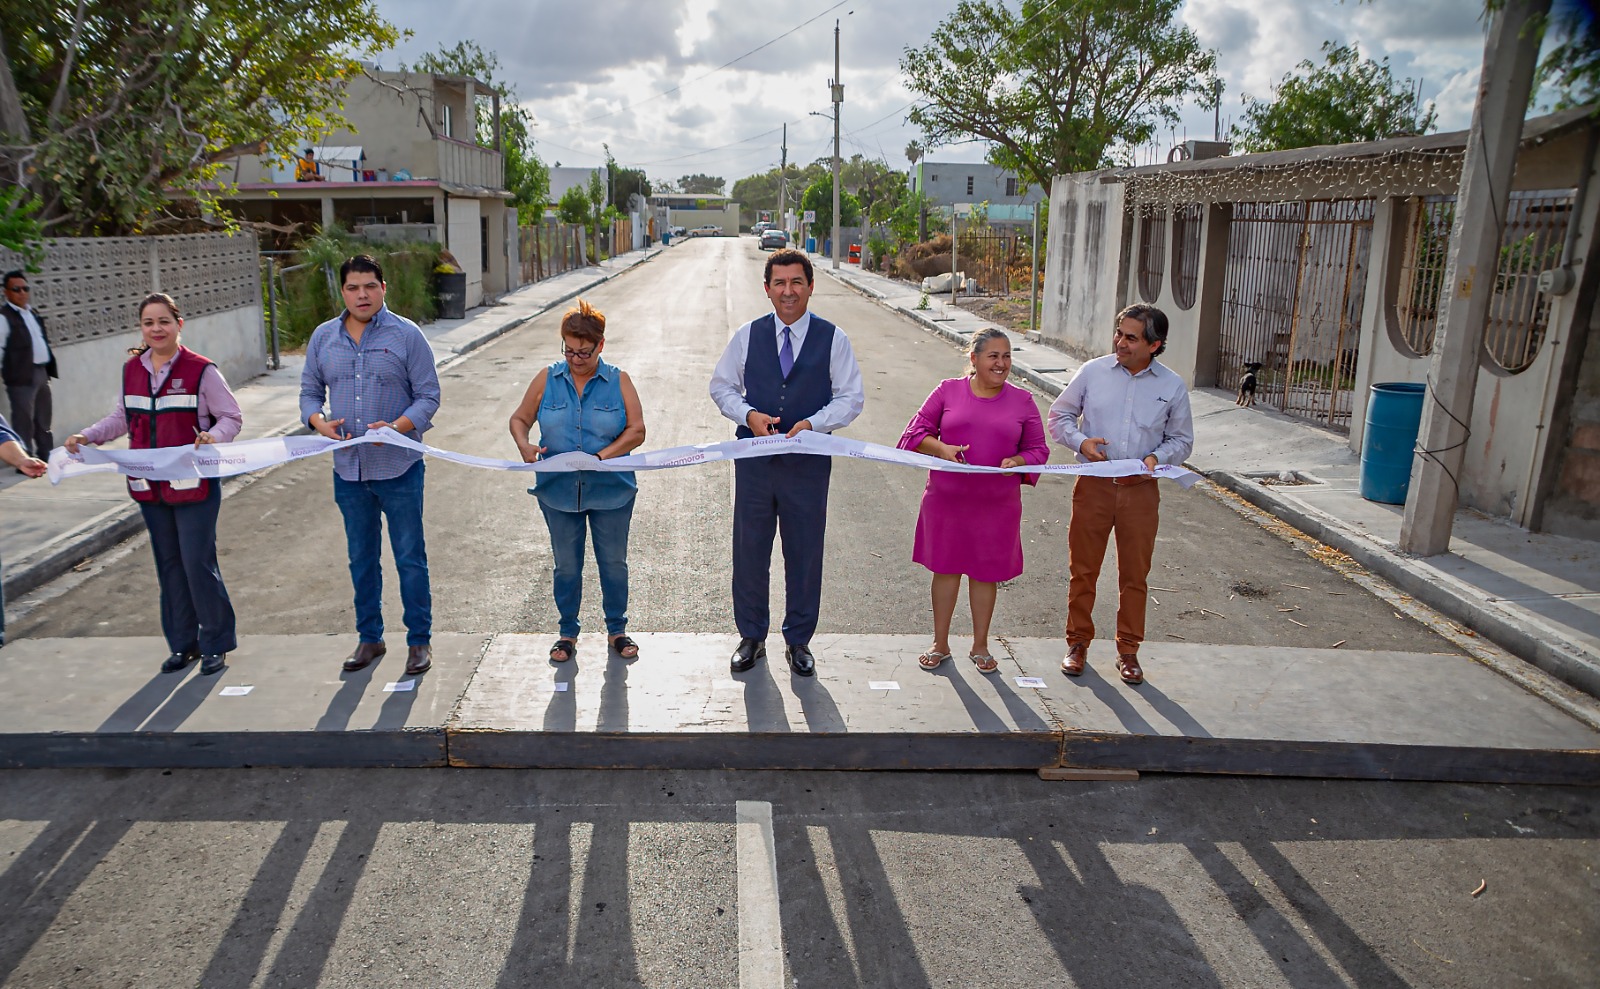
(410, 167)
(948, 184)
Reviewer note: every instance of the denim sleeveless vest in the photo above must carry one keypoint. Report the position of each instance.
(589, 423)
(809, 386)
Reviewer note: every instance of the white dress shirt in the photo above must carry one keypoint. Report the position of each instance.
(849, 396)
(1137, 414)
(41, 353)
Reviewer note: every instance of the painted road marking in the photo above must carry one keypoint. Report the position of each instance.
(760, 924)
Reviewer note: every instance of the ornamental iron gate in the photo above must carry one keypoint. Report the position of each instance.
(1296, 275)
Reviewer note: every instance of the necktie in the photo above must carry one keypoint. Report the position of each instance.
(786, 354)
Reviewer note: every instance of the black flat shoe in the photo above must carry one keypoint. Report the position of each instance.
(212, 663)
(178, 661)
(748, 653)
(801, 661)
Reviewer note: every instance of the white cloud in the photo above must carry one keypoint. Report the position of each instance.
(591, 72)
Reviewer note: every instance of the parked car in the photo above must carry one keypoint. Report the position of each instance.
(709, 230)
(774, 240)
(760, 227)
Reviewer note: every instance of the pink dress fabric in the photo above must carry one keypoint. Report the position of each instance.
(972, 523)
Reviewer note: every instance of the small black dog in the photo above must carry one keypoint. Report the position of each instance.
(1247, 385)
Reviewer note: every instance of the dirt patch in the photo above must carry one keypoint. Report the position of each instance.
(1011, 314)
(1247, 589)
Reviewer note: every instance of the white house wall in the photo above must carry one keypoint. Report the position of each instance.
(1080, 281)
(466, 243)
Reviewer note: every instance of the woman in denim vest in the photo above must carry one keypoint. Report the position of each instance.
(583, 403)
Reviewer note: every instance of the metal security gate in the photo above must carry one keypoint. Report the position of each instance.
(1296, 276)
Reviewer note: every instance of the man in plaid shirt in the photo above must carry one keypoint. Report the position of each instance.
(374, 369)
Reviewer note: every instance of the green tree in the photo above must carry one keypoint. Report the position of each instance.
(574, 206)
(698, 184)
(1055, 88)
(760, 192)
(625, 182)
(527, 176)
(1569, 73)
(819, 197)
(19, 227)
(110, 107)
(1344, 100)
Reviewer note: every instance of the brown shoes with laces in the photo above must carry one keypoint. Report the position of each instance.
(1077, 656)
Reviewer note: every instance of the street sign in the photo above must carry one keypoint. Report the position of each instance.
(810, 216)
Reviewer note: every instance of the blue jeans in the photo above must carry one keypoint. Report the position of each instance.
(365, 504)
(609, 528)
(196, 615)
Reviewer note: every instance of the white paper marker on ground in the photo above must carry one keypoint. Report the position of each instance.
(401, 687)
(760, 922)
(882, 685)
(1034, 682)
(236, 691)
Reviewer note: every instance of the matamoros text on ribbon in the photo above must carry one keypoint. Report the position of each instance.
(226, 459)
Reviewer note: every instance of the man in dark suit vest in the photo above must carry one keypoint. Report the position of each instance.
(28, 365)
(783, 372)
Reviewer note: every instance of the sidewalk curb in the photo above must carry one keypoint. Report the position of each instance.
(117, 525)
(1520, 638)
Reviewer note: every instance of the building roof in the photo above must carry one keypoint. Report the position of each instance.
(1534, 131)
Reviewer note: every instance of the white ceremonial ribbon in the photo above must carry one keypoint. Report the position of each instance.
(177, 463)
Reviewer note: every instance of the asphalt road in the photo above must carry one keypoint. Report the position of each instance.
(257, 878)
(1221, 577)
(230, 879)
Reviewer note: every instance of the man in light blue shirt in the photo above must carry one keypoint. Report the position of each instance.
(375, 369)
(1123, 406)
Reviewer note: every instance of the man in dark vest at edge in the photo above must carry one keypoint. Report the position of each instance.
(782, 373)
(28, 366)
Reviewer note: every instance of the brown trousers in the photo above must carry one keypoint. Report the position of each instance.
(1130, 506)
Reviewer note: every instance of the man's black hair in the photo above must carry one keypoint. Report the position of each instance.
(14, 273)
(361, 262)
(1154, 320)
(788, 256)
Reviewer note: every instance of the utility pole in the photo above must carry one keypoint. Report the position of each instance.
(838, 98)
(1509, 57)
(783, 180)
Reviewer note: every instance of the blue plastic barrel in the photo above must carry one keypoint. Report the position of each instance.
(1394, 414)
(811, 245)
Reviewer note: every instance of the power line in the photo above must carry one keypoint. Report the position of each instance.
(719, 68)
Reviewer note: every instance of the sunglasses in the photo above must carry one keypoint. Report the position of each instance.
(18, 288)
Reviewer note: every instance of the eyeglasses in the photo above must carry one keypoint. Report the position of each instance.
(579, 355)
(18, 288)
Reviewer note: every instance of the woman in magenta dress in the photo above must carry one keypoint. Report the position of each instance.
(972, 523)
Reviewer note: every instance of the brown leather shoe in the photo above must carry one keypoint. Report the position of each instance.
(1128, 668)
(1077, 656)
(418, 659)
(364, 655)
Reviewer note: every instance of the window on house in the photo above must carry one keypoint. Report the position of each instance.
(969, 185)
(444, 122)
(1186, 222)
(934, 177)
(1011, 186)
(1152, 252)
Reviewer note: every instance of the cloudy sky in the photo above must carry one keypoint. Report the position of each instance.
(653, 77)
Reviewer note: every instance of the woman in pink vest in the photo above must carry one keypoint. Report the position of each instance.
(172, 396)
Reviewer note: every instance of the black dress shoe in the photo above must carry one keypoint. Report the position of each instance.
(749, 651)
(365, 653)
(178, 661)
(801, 661)
(212, 663)
(418, 659)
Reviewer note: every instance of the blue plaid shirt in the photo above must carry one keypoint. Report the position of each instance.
(388, 375)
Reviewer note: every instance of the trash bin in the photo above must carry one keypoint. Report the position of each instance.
(1394, 414)
(811, 245)
(451, 291)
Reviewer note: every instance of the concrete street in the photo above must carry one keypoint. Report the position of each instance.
(257, 877)
(282, 540)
